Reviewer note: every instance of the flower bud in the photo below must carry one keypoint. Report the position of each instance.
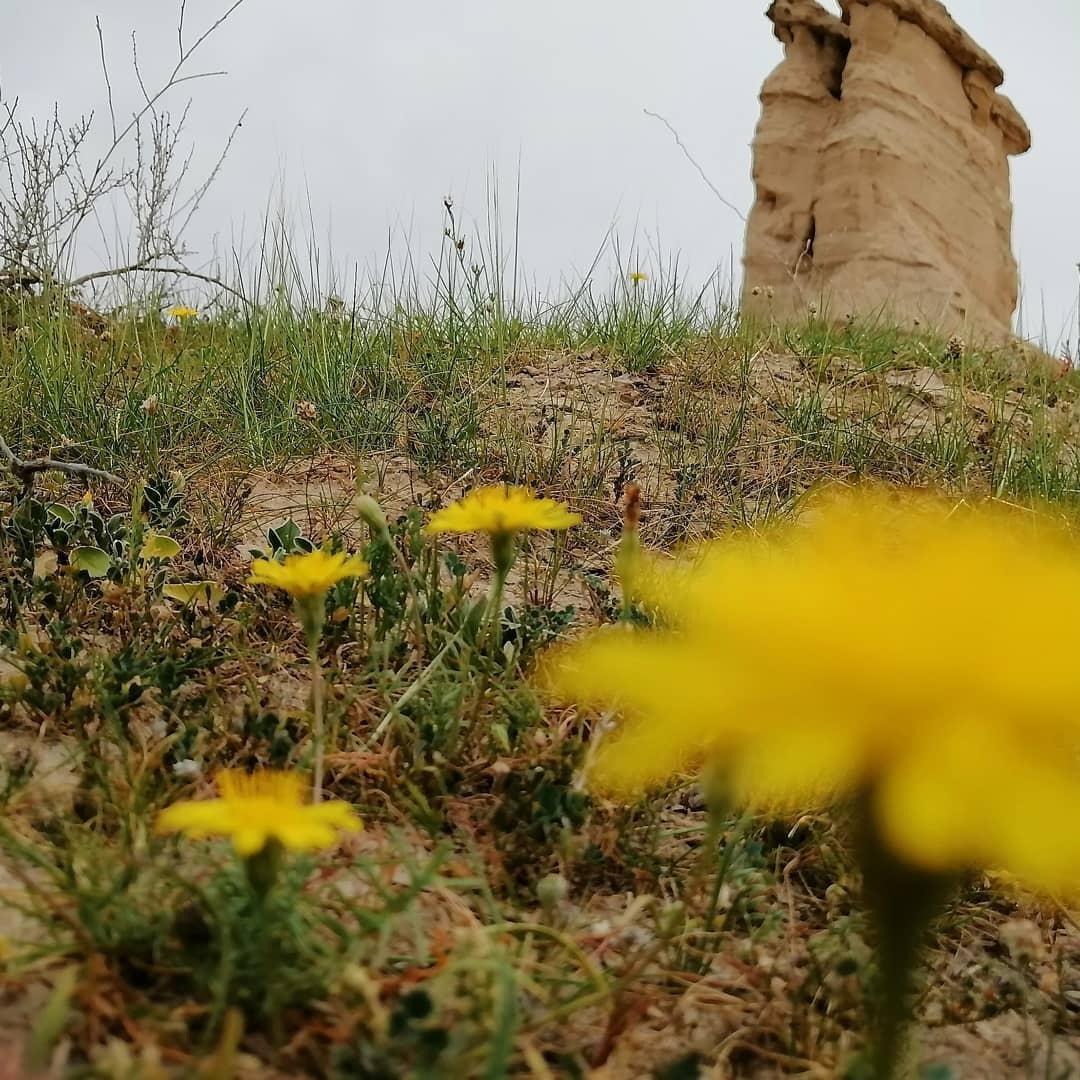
(552, 890)
(371, 513)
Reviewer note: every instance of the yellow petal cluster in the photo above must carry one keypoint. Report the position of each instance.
(502, 510)
(900, 645)
(255, 809)
(180, 311)
(307, 575)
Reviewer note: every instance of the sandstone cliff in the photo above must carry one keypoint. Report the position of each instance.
(881, 171)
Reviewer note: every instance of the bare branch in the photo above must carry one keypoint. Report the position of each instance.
(146, 266)
(118, 271)
(138, 73)
(105, 72)
(209, 30)
(193, 203)
(27, 470)
(689, 157)
(175, 79)
(180, 26)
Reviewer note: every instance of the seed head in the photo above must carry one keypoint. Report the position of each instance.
(956, 349)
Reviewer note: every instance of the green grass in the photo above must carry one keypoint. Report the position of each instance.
(432, 380)
(494, 919)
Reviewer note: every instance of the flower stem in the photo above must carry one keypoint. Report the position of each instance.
(318, 722)
(903, 900)
(503, 553)
(262, 869)
(628, 554)
(311, 612)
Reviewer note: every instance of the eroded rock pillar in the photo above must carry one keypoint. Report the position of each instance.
(881, 172)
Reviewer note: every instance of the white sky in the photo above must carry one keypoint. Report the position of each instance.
(367, 112)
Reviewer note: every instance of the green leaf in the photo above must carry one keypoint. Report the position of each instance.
(91, 560)
(284, 537)
(195, 593)
(159, 546)
(506, 1022)
(59, 510)
(52, 1020)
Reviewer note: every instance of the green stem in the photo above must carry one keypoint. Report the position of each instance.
(503, 552)
(318, 722)
(493, 614)
(902, 900)
(311, 611)
(627, 563)
(262, 869)
(414, 688)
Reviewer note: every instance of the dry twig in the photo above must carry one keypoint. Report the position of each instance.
(27, 470)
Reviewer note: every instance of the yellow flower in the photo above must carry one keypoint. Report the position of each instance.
(181, 312)
(896, 647)
(637, 277)
(258, 809)
(502, 510)
(308, 575)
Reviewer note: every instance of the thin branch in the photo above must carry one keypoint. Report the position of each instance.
(27, 470)
(138, 74)
(10, 121)
(105, 72)
(195, 201)
(118, 271)
(690, 157)
(173, 81)
(209, 30)
(180, 26)
(144, 267)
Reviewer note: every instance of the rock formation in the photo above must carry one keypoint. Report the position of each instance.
(881, 169)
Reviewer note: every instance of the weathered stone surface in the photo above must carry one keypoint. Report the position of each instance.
(881, 171)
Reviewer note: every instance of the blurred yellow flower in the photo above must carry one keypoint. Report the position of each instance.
(181, 312)
(308, 575)
(258, 809)
(637, 277)
(891, 646)
(502, 510)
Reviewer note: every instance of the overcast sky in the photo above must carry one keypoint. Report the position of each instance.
(366, 112)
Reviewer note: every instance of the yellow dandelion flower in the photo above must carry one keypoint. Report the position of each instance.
(637, 277)
(258, 809)
(180, 311)
(309, 575)
(502, 510)
(892, 646)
